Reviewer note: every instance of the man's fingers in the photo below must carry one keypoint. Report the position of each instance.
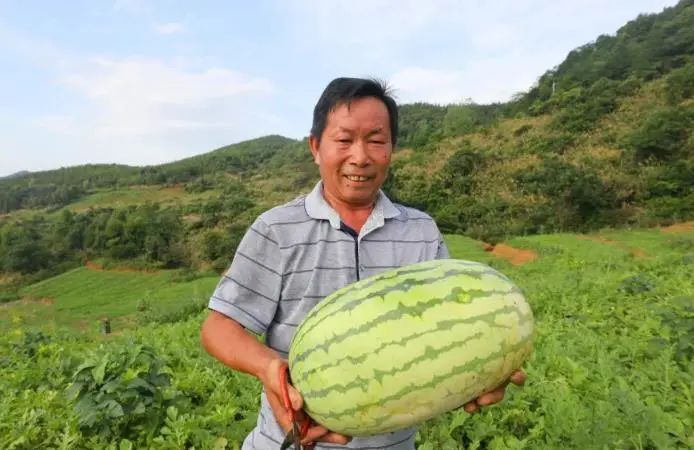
(336, 438)
(518, 378)
(492, 397)
(471, 407)
(321, 434)
(314, 434)
(295, 398)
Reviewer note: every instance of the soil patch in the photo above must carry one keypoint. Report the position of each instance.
(684, 227)
(636, 252)
(9, 278)
(91, 265)
(515, 256)
(29, 301)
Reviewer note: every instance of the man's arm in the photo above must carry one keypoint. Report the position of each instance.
(230, 343)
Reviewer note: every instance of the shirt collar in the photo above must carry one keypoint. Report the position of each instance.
(318, 208)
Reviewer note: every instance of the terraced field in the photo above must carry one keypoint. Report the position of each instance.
(612, 365)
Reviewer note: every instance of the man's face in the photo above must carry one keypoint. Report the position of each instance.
(354, 152)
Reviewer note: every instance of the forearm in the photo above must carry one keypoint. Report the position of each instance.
(230, 343)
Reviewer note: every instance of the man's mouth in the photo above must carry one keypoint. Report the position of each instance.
(357, 178)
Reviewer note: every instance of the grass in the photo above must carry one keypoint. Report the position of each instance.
(82, 296)
(612, 366)
(136, 195)
(463, 247)
(612, 363)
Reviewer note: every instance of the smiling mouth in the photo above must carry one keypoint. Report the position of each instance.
(357, 178)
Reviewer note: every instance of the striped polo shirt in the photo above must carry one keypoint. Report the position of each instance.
(295, 255)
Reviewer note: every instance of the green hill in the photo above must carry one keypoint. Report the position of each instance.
(80, 297)
(602, 140)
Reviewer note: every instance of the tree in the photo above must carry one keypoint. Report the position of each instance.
(664, 135)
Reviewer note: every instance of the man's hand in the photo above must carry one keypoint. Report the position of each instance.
(518, 378)
(273, 389)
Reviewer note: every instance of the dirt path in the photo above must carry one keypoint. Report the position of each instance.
(515, 256)
(636, 252)
(684, 227)
(29, 300)
(91, 265)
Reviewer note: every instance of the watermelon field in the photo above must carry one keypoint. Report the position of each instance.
(612, 365)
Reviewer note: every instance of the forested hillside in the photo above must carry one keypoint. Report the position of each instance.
(603, 140)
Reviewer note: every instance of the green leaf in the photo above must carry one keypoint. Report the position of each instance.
(220, 444)
(99, 371)
(459, 418)
(161, 379)
(111, 386)
(113, 409)
(138, 382)
(139, 408)
(83, 367)
(73, 391)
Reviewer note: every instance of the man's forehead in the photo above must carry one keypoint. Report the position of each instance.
(345, 110)
(347, 104)
(372, 130)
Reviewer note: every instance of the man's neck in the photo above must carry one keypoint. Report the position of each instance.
(355, 219)
(355, 216)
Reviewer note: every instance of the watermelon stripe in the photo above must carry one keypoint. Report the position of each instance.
(440, 326)
(457, 294)
(462, 268)
(428, 354)
(443, 325)
(322, 310)
(438, 273)
(401, 287)
(474, 363)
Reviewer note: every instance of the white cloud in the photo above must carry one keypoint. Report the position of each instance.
(482, 81)
(169, 28)
(436, 86)
(146, 111)
(138, 96)
(62, 124)
(130, 6)
(367, 21)
(448, 50)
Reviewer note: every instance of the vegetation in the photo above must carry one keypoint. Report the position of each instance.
(611, 367)
(76, 297)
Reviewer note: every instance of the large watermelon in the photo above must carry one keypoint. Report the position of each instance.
(398, 348)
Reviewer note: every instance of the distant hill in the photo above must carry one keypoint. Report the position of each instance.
(605, 139)
(19, 174)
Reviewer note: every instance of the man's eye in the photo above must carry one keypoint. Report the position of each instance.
(377, 142)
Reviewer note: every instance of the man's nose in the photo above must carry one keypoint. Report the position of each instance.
(359, 154)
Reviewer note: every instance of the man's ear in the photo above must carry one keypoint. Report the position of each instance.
(313, 145)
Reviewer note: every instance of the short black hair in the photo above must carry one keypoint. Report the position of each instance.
(342, 91)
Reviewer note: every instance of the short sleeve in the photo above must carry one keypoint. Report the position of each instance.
(442, 252)
(250, 290)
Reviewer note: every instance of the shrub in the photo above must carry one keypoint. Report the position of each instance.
(663, 135)
(120, 392)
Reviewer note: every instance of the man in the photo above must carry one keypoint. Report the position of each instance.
(296, 254)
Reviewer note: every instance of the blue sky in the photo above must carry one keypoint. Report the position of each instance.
(143, 82)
